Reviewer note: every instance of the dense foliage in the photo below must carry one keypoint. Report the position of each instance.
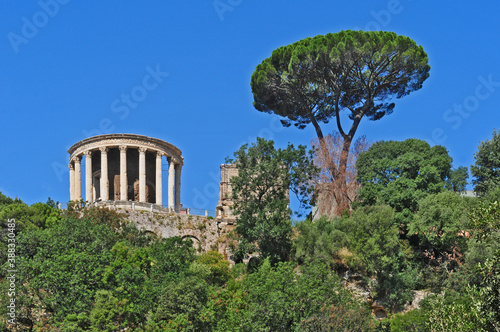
(486, 169)
(401, 173)
(92, 270)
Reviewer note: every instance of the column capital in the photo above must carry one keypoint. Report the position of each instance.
(142, 150)
(123, 148)
(87, 153)
(71, 166)
(76, 159)
(159, 154)
(103, 149)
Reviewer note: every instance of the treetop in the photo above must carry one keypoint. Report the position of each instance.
(360, 71)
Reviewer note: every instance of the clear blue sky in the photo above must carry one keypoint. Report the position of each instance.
(65, 65)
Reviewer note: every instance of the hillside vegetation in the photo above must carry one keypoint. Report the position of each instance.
(92, 270)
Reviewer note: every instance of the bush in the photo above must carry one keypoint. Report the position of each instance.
(105, 312)
(185, 297)
(320, 240)
(414, 321)
(280, 298)
(455, 311)
(340, 319)
(218, 268)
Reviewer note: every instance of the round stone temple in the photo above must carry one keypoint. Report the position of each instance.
(125, 167)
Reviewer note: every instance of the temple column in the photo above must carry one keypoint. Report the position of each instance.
(104, 174)
(78, 178)
(88, 176)
(178, 168)
(142, 175)
(123, 174)
(71, 181)
(171, 184)
(159, 180)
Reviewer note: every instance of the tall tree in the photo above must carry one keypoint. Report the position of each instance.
(486, 169)
(358, 72)
(260, 193)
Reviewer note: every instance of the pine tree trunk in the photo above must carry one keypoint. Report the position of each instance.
(341, 197)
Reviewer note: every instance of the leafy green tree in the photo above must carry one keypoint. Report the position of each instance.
(486, 169)
(5, 200)
(217, 268)
(138, 276)
(40, 215)
(60, 268)
(279, 298)
(486, 230)
(440, 232)
(457, 181)
(360, 72)
(401, 173)
(320, 240)
(490, 292)
(485, 219)
(226, 308)
(105, 313)
(442, 221)
(373, 237)
(126, 276)
(365, 242)
(184, 297)
(260, 193)
(455, 312)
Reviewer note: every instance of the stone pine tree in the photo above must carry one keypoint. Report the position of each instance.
(355, 72)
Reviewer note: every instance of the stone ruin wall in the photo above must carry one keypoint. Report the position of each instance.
(206, 233)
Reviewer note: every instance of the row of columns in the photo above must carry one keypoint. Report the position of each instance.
(174, 177)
